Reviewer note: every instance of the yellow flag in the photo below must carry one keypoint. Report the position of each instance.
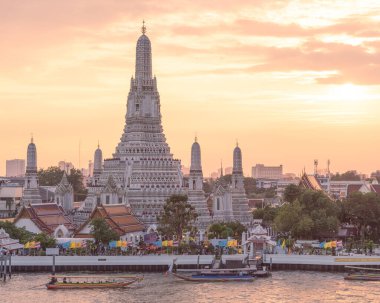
(283, 243)
(27, 245)
(32, 244)
(164, 243)
(118, 243)
(72, 244)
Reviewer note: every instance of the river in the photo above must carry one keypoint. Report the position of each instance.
(283, 286)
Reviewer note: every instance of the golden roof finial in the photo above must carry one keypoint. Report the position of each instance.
(143, 29)
(31, 140)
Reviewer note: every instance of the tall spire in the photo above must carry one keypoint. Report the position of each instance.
(143, 28)
(196, 163)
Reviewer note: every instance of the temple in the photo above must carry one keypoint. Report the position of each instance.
(144, 172)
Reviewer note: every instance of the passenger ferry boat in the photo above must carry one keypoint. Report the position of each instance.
(362, 274)
(90, 281)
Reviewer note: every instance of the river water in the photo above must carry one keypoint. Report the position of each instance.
(283, 286)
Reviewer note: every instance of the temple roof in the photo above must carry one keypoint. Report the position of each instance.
(47, 217)
(64, 186)
(119, 217)
(310, 182)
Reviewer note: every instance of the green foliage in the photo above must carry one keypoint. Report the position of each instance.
(350, 175)
(53, 175)
(226, 229)
(76, 180)
(177, 217)
(101, 231)
(45, 240)
(267, 214)
(250, 186)
(363, 210)
(292, 192)
(311, 215)
(17, 233)
(50, 176)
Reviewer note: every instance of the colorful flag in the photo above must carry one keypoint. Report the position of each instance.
(165, 243)
(118, 243)
(124, 243)
(72, 245)
(32, 244)
(84, 243)
(37, 245)
(112, 244)
(283, 244)
(158, 243)
(66, 245)
(322, 244)
(339, 244)
(27, 245)
(78, 245)
(170, 243)
(333, 244)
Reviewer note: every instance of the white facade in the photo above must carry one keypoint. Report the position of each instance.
(15, 168)
(260, 171)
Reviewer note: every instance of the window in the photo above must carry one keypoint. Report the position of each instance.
(120, 200)
(137, 107)
(217, 204)
(107, 199)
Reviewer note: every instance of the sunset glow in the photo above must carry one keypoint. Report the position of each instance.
(292, 81)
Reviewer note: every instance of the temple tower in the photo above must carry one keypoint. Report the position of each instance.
(196, 195)
(142, 165)
(31, 193)
(64, 194)
(240, 207)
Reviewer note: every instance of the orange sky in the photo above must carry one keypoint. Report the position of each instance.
(293, 81)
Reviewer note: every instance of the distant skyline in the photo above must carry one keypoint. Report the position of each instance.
(292, 81)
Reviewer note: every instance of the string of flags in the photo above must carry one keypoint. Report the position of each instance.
(32, 245)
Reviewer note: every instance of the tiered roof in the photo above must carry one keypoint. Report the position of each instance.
(119, 217)
(47, 217)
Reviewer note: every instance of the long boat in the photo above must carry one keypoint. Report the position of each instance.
(86, 282)
(363, 274)
(215, 277)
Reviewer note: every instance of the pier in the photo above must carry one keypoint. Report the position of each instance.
(5, 267)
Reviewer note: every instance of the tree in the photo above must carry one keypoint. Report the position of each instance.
(45, 240)
(177, 217)
(14, 232)
(267, 214)
(53, 175)
(292, 192)
(363, 210)
(76, 179)
(311, 215)
(101, 231)
(350, 175)
(250, 186)
(224, 230)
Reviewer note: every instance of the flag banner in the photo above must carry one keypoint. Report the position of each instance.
(170, 243)
(84, 243)
(37, 245)
(150, 238)
(112, 244)
(78, 244)
(66, 245)
(175, 243)
(27, 245)
(118, 243)
(164, 243)
(322, 244)
(72, 245)
(124, 243)
(283, 244)
(222, 243)
(158, 243)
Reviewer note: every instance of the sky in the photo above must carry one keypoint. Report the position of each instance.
(291, 81)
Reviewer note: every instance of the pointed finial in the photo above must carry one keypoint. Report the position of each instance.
(31, 139)
(143, 29)
(237, 143)
(196, 138)
(98, 144)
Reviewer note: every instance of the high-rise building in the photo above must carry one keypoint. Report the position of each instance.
(15, 168)
(260, 171)
(65, 166)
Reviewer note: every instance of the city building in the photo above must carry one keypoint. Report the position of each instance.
(65, 166)
(260, 171)
(10, 197)
(15, 168)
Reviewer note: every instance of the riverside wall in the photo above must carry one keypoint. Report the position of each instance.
(160, 263)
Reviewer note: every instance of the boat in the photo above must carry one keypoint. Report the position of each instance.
(362, 274)
(217, 277)
(214, 275)
(86, 282)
